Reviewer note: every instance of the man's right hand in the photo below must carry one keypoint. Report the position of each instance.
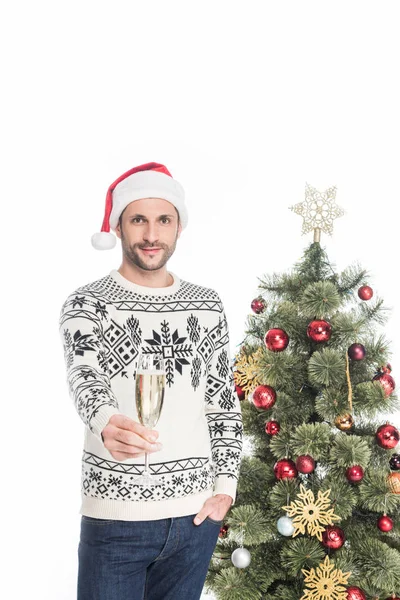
(125, 438)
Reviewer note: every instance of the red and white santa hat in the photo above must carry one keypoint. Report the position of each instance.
(151, 180)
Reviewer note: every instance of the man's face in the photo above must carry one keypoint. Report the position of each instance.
(148, 232)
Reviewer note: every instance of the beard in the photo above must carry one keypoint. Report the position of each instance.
(131, 253)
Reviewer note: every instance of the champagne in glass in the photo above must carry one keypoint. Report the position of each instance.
(150, 388)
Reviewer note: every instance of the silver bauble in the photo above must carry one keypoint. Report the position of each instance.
(241, 558)
(285, 526)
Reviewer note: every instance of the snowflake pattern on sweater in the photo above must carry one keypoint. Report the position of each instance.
(103, 326)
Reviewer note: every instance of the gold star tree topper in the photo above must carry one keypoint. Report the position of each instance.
(311, 514)
(318, 210)
(325, 582)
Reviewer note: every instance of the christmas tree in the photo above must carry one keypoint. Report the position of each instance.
(317, 509)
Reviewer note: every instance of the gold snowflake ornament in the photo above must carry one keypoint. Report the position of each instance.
(325, 582)
(318, 210)
(311, 514)
(246, 372)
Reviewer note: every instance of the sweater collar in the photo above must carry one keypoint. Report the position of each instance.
(144, 290)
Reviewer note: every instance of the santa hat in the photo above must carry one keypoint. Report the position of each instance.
(151, 180)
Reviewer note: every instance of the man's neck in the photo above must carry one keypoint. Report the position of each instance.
(157, 279)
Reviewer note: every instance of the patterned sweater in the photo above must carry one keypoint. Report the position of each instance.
(103, 326)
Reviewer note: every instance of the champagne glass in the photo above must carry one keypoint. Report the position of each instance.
(150, 389)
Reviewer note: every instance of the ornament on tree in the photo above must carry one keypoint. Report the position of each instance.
(385, 523)
(385, 368)
(333, 537)
(241, 558)
(356, 352)
(246, 373)
(258, 305)
(394, 462)
(285, 526)
(365, 292)
(354, 473)
(393, 481)
(285, 469)
(305, 464)
(311, 514)
(319, 210)
(276, 340)
(325, 582)
(240, 392)
(386, 381)
(264, 396)
(223, 532)
(319, 331)
(387, 436)
(355, 593)
(344, 422)
(272, 427)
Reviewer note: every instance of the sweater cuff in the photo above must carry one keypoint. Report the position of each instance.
(225, 485)
(101, 418)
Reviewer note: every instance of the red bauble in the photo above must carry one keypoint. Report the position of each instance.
(258, 305)
(240, 392)
(319, 331)
(387, 436)
(356, 352)
(365, 292)
(223, 531)
(276, 340)
(394, 462)
(387, 381)
(385, 523)
(355, 593)
(264, 396)
(272, 427)
(305, 464)
(333, 537)
(285, 469)
(355, 473)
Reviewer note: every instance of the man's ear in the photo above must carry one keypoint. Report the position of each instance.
(118, 231)
(179, 230)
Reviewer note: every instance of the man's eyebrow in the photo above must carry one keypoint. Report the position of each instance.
(137, 215)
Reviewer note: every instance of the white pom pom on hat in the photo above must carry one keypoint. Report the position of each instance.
(150, 180)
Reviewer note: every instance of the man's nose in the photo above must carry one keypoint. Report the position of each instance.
(151, 233)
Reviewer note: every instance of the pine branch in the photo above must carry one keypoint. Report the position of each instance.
(369, 399)
(351, 278)
(319, 300)
(249, 526)
(327, 368)
(380, 566)
(343, 495)
(375, 494)
(313, 439)
(349, 450)
(332, 402)
(302, 553)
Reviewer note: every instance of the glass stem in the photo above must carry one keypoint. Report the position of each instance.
(146, 463)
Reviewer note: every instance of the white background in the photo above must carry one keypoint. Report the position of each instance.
(244, 102)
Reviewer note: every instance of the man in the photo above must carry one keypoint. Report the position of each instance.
(150, 542)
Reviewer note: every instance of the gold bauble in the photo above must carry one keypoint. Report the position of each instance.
(344, 422)
(393, 481)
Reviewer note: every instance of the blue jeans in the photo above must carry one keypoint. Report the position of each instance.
(166, 559)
